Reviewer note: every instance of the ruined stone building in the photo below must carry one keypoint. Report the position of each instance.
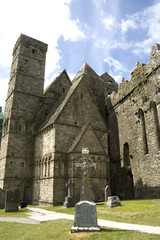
(44, 131)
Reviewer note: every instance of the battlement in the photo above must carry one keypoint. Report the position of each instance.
(139, 76)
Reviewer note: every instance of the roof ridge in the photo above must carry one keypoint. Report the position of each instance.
(85, 69)
(56, 79)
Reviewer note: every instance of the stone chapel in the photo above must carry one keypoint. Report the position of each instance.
(44, 130)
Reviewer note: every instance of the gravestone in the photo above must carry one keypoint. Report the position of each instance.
(107, 192)
(69, 200)
(93, 198)
(12, 200)
(2, 198)
(85, 219)
(113, 201)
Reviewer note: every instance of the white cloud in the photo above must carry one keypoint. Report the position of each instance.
(109, 22)
(148, 21)
(128, 24)
(115, 64)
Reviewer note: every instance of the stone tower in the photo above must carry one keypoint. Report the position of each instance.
(25, 93)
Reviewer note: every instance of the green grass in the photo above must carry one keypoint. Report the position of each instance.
(128, 207)
(133, 207)
(20, 214)
(60, 230)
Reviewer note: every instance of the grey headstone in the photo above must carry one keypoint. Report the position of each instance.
(93, 198)
(2, 198)
(107, 192)
(85, 217)
(12, 200)
(70, 188)
(69, 200)
(113, 201)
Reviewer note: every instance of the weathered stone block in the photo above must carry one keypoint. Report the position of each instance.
(113, 201)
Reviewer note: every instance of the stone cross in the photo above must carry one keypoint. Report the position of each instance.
(85, 163)
(70, 188)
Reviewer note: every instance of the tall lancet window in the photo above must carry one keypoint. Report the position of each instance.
(156, 122)
(126, 159)
(143, 129)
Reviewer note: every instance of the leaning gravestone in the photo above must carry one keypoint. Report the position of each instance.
(69, 200)
(12, 200)
(2, 198)
(107, 192)
(113, 201)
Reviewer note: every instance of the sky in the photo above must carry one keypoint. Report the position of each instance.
(110, 35)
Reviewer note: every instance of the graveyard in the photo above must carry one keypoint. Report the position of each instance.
(129, 212)
(86, 219)
(79, 192)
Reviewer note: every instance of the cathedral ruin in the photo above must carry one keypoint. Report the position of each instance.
(44, 130)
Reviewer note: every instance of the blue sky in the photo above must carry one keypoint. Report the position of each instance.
(110, 35)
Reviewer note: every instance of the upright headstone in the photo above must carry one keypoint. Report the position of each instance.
(12, 200)
(85, 217)
(107, 192)
(69, 200)
(113, 201)
(93, 197)
(2, 198)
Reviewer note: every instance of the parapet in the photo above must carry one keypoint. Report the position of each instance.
(139, 75)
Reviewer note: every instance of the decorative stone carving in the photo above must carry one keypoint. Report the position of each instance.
(85, 211)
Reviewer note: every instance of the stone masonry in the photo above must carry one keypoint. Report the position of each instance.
(134, 142)
(44, 130)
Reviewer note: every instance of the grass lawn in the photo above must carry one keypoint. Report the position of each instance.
(60, 229)
(128, 207)
(20, 214)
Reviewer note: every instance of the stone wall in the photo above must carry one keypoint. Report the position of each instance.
(135, 110)
(24, 96)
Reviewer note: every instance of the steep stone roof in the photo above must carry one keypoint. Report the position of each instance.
(87, 70)
(52, 86)
(58, 106)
